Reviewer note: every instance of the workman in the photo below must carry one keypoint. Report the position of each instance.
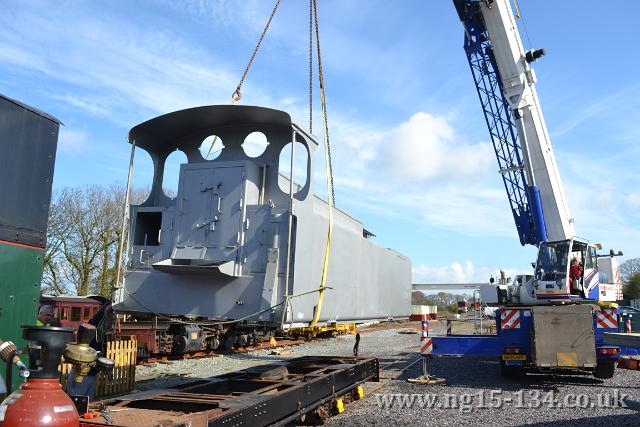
(45, 315)
(575, 274)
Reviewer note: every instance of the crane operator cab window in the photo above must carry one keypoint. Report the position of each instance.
(567, 262)
(552, 261)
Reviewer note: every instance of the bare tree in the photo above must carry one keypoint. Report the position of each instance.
(87, 226)
(84, 231)
(111, 211)
(57, 232)
(629, 268)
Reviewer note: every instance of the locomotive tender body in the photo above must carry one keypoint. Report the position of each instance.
(219, 249)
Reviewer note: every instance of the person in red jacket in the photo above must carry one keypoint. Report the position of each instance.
(575, 274)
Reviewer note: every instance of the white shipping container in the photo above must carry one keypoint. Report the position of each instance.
(424, 309)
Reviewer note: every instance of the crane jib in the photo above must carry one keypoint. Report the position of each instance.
(524, 198)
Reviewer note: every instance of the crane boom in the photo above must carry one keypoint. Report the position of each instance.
(553, 311)
(566, 267)
(506, 87)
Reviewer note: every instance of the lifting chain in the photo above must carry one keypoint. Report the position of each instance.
(313, 19)
(235, 97)
(236, 94)
(311, 66)
(324, 102)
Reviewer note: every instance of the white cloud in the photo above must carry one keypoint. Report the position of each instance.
(604, 212)
(633, 200)
(124, 73)
(453, 273)
(21, 58)
(457, 272)
(426, 148)
(417, 171)
(86, 104)
(72, 140)
(250, 17)
(612, 105)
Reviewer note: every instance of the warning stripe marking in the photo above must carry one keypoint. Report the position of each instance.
(510, 319)
(507, 315)
(516, 323)
(567, 359)
(600, 323)
(592, 284)
(609, 315)
(427, 346)
(605, 319)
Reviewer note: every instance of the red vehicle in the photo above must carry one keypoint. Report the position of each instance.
(70, 311)
(462, 307)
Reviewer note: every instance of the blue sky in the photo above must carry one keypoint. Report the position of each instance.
(412, 154)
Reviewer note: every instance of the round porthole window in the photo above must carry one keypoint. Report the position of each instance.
(211, 147)
(254, 144)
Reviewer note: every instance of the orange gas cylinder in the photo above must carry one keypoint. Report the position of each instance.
(39, 402)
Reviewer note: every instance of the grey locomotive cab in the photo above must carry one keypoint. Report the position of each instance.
(220, 249)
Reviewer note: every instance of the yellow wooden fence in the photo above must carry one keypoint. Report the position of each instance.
(123, 377)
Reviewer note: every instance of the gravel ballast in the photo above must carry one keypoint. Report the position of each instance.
(474, 392)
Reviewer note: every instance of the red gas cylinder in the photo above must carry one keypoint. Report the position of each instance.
(39, 402)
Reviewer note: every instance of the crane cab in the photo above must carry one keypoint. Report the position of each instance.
(567, 269)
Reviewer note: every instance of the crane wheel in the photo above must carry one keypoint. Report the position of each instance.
(510, 372)
(605, 369)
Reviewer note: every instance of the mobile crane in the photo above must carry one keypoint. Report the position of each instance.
(506, 86)
(555, 319)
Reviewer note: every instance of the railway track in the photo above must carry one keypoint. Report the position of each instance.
(295, 340)
(216, 353)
